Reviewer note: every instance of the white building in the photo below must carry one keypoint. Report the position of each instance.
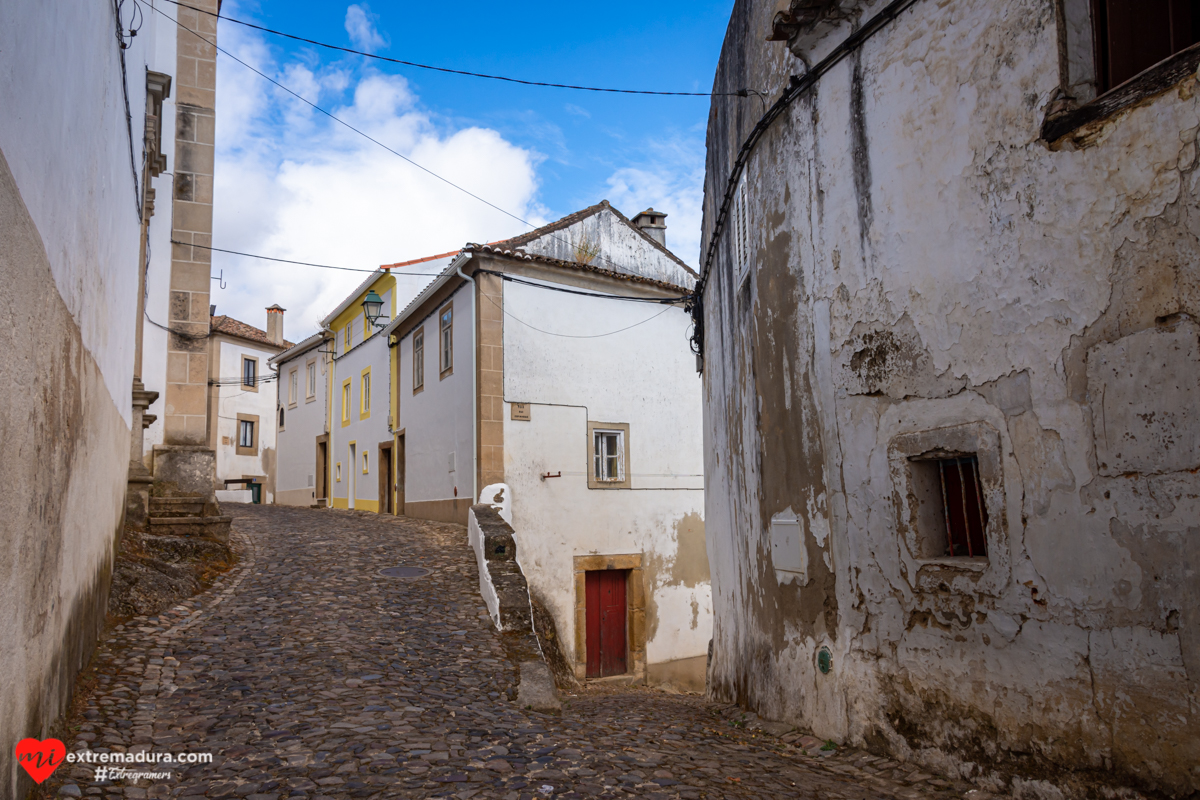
(549, 363)
(302, 438)
(243, 409)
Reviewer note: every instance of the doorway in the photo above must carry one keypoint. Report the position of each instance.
(606, 618)
(385, 478)
(320, 491)
(400, 470)
(353, 482)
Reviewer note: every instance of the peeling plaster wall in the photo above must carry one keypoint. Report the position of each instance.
(69, 237)
(925, 269)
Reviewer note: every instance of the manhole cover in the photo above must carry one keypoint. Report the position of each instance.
(404, 572)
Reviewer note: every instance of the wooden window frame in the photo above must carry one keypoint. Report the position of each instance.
(246, 387)
(310, 374)
(364, 394)
(238, 448)
(621, 428)
(1069, 120)
(445, 352)
(418, 359)
(347, 400)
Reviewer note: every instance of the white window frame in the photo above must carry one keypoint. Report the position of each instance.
(311, 389)
(598, 439)
(418, 348)
(446, 340)
(293, 387)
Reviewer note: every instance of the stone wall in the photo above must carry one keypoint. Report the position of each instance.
(927, 275)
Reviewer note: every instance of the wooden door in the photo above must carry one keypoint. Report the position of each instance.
(605, 623)
(385, 478)
(320, 491)
(400, 468)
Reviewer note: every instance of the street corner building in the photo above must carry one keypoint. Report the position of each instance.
(949, 315)
(244, 412)
(546, 368)
(104, 105)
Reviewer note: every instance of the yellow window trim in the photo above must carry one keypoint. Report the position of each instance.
(364, 398)
(346, 395)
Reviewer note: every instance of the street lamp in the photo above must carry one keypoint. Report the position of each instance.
(372, 307)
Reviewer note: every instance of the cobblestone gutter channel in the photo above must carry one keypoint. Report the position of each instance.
(307, 676)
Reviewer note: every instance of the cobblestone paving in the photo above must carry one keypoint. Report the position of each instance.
(310, 675)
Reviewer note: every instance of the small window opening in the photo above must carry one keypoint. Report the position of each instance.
(962, 506)
(609, 461)
(952, 516)
(281, 419)
(249, 372)
(1134, 35)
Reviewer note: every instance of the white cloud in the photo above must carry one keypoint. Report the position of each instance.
(672, 181)
(293, 184)
(360, 24)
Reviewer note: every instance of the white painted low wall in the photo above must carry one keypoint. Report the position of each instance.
(486, 589)
(235, 496)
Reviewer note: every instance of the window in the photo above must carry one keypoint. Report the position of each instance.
(364, 394)
(741, 231)
(338, 472)
(293, 387)
(963, 514)
(446, 326)
(1133, 35)
(418, 360)
(281, 418)
(247, 435)
(312, 380)
(250, 373)
(347, 335)
(610, 456)
(366, 468)
(346, 402)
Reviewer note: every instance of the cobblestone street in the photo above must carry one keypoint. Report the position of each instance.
(309, 674)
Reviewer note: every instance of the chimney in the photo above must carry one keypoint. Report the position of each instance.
(275, 324)
(653, 224)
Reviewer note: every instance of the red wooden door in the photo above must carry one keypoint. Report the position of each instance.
(606, 623)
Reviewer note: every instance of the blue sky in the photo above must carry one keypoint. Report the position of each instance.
(291, 183)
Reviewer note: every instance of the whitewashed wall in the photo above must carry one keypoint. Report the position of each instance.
(234, 399)
(367, 434)
(69, 236)
(438, 421)
(296, 444)
(645, 377)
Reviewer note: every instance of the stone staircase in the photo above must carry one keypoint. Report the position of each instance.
(191, 516)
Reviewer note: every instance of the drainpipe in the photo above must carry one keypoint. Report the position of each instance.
(474, 379)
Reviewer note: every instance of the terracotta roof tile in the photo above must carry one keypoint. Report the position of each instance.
(521, 255)
(232, 327)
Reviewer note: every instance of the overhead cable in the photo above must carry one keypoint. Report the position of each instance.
(300, 263)
(365, 135)
(402, 62)
(569, 335)
(797, 87)
(602, 295)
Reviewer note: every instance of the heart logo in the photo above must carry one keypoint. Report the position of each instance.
(40, 759)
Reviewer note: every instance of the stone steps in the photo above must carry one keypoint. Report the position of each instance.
(216, 527)
(163, 507)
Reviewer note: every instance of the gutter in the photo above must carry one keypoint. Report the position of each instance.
(458, 264)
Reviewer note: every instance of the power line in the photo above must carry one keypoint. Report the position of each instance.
(365, 135)
(300, 263)
(352, 51)
(573, 336)
(602, 295)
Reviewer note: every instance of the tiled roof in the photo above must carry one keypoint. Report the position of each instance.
(501, 250)
(419, 260)
(232, 327)
(569, 220)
